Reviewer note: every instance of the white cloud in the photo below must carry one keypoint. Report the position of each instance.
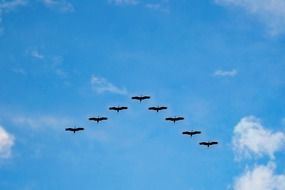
(60, 5)
(6, 6)
(6, 143)
(158, 7)
(37, 55)
(124, 2)
(251, 139)
(40, 121)
(270, 12)
(101, 85)
(224, 73)
(9, 5)
(260, 178)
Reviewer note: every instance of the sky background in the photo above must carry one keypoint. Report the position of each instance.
(218, 63)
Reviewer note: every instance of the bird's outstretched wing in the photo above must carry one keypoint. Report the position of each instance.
(98, 119)
(145, 97)
(79, 129)
(214, 142)
(204, 143)
(74, 129)
(136, 98)
(179, 118)
(124, 108)
(157, 108)
(186, 133)
(196, 132)
(140, 98)
(169, 119)
(113, 108)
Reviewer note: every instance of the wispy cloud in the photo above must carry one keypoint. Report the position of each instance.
(162, 6)
(10, 5)
(52, 62)
(6, 143)
(60, 5)
(124, 2)
(252, 139)
(6, 6)
(260, 178)
(270, 12)
(102, 85)
(36, 54)
(225, 73)
(39, 121)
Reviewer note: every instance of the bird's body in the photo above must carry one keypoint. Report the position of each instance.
(209, 143)
(97, 119)
(140, 98)
(158, 108)
(74, 129)
(118, 108)
(174, 119)
(191, 133)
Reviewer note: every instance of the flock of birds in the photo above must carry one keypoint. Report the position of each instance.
(157, 109)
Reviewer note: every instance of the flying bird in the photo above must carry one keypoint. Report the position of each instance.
(97, 119)
(140, 98)
(191, 133)
(209, 143)
(74, 129)
(118, 108)
(174, 119)
(158, 108)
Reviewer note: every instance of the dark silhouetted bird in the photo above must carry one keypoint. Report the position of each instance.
(209, 143)
(97, 119)
(74, 129)
(158, 108)
(174, 119)
(118, 108)
(191, 133)
(140, 98)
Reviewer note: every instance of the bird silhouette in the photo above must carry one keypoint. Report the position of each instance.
(191, 133)
(140, 98)
(209, 143)
(157, 108)
(74, 129)
(174, 119)
(97, 119)
(118, 108)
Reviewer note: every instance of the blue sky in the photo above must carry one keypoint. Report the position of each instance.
(218, 63)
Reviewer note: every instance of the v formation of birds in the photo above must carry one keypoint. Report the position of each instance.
(157, 109)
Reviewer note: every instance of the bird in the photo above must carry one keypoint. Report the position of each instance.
(140, 98)
(74, 129)
(118, 108)
(209, 143)
(174, 119)
(97, 119)
(191, 133)
(157, 108)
